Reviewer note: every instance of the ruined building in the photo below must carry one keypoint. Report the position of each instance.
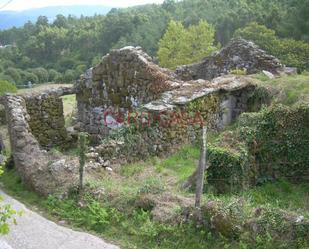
(166, 107)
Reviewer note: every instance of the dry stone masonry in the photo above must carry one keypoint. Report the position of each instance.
(132, 109)
(128, 87)
(124, 80)
(238, 54)
(37, 167)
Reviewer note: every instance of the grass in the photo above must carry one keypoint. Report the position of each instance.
(294, 88)
(115, 217)
(69, 104)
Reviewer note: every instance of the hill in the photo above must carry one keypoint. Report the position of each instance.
(11, 19)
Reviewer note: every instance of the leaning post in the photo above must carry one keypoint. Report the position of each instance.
(201, 169)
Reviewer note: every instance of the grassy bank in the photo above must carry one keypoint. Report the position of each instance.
(143, 205)
(111, 207)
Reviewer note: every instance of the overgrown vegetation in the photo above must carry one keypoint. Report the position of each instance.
(111, 207)
(7, 87)
(122, 206)
(7, 214)
(251, 195)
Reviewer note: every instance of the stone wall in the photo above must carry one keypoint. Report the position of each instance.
(46, 116)
(47, 120)
(124, 80)
(238, 54)
(161, 126)
(2, 115)
(37, 168)
(127, 79)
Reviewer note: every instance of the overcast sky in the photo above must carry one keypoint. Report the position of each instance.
(28, 4)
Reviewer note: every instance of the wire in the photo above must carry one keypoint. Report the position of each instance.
(6, 4)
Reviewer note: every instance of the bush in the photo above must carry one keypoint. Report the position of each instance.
(28, 76)
(7, 87)
(41, 73)
(53, 75)
(69, 76)
(273, 145)
(6, 78)
(14, 74)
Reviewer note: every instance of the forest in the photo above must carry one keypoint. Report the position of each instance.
(61, 50)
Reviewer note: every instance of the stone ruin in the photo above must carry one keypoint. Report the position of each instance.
(238, 54)
(128, 85)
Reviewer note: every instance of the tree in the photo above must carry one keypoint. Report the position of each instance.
(14, 74)
(41, 73)
(260, 35)
(53, 75)
(69, 76)
(42, 21)
(29, 76)
(172, 47)
(201, 40)
(60, 22)
(183, 46)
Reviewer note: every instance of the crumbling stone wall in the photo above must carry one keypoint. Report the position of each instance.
(31, 162)
(125, 79)
(238, 54)
(161, 126)
(46, 119)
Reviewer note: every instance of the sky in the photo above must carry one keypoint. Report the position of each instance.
(29, 4)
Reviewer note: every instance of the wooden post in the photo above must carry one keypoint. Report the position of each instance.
(201, 169)
(82, 159)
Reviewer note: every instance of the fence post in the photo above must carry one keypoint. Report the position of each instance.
(201, 169)
(82, 158)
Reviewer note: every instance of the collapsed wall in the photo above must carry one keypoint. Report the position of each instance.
(238, 54)
(127, 86)
(128, 90)
(161, 126)
(29, 120)
(127, 79)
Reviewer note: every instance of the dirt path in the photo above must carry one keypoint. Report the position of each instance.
(35, 232)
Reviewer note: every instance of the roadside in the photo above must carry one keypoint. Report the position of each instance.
(35, 232)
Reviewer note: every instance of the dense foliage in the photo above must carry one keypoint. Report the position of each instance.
(264, 147)
(68, 45)
(181, 46)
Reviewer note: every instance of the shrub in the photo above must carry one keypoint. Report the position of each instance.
(274, 144)
(28, 76)
(53, 75)
(239, 71)
(7, 87)
(41, 73)
(69, 76)
(14, 74)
